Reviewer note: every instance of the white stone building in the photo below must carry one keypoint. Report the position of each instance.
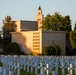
(32, 38)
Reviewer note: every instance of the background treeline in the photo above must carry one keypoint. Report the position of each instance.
(55, 22)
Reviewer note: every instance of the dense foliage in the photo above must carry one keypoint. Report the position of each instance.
(57, 22)
(0, 39)
(12, 48)
(73, 39)
(8, 26)
(52, 50)
(75, 26)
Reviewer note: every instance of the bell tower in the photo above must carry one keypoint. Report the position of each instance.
(39, 18)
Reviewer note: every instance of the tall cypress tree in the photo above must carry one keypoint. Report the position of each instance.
(75, 26)
(8, 26)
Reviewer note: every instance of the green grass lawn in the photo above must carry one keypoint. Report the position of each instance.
(26, 73)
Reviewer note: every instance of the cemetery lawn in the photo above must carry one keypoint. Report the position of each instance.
(25, 73)
(22, 72)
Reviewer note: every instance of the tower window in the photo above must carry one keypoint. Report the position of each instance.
(38, 19)
(38, 13)
(41, 22)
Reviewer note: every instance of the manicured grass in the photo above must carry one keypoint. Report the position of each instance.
(25, 73)
(0, 64)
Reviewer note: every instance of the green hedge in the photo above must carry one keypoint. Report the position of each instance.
(73, 39)
(52, 49)
(12, 48)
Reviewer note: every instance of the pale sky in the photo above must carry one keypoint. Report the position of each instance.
(27, 9)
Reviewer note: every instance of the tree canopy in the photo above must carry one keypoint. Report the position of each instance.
(57, 22)
(8, 26)
(73, 39)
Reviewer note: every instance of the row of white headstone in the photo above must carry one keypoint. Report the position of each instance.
(46, 64)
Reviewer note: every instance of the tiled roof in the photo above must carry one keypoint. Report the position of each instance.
(29, 25)
(39, 8)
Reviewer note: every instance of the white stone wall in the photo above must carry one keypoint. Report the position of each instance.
(25, 40)
(18, 23)
(58, 37)
(36, 40)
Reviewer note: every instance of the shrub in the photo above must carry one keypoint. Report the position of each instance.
(0, 39)
(52, 50)
(58, 50)
(1, 53)
(73, 39)
(12, 48)
(73, 52)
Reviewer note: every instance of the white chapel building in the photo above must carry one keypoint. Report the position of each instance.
(32, 38)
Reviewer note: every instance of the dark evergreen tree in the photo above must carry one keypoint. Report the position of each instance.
(8, 26)
(75, 26)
